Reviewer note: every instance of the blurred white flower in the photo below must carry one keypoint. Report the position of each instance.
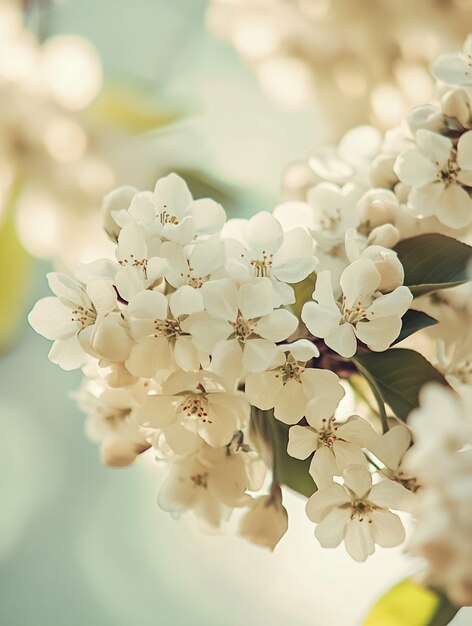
(455, 69)
(266, 521)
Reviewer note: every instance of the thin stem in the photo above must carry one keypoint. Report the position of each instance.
(377, 395)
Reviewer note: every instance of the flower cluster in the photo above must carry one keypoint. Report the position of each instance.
(233, 347)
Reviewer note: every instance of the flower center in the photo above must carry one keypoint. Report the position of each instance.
(242, 328)
(196, 405)
(291, 370)
(83, 316)
(168, 328)
(352, 315)
(263, 266)
(193, 281)
(140, 264)
(327, 434)
(448, 175)
(359, 508)
(167, 218)
(200, 480)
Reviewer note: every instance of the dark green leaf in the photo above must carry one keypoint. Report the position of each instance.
(433, 262)
(271, 437)
(412, 322)
(399, 375)
(291, 472)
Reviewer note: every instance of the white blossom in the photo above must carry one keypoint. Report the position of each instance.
(362, 312)
(335, 445)
(439, 174)
(455, 69)
(293, 389)
(266, 521)
(357, 513)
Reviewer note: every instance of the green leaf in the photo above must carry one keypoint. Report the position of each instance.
(271, 437)
(398, 374)
(412, 322)
(412, 604)
(15, 272)
(433, 262)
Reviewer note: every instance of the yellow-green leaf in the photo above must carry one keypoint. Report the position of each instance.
(132, 111)
(15, 265)
(411, 604)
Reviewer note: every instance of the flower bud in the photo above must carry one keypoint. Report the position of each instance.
(426, 116)
(116, 200)
(381, 171)
(377, 207)
(387, 263)
(456, 103)
(266, 521)
(117, 452)
(385, 235)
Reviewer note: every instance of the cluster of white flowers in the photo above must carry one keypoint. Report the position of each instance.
(221, 345)
(192, 325)
(442, 460)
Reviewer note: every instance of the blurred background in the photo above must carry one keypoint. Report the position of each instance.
(98, 94)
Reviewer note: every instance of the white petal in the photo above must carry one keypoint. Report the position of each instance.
(387, 529)
(323, 293)
(262, 389)
(346, 454)
(277, 326)
(321, 319)
(186, 301)
(221, 299)
(451, 69)
(303, 350)
(186, 355)
(324, 393)
(258, 354)
(455, 207)
(290, 404)
(435, 146)
(208, 215)
(358, 479)
(464, 151)
(359, 279)
(330, 532)
(391, 495)
(414, 169)
(148, 356)
(255, 299)
(102, 294)
(157, 411)
(359, 431)
(323, 467)
(302, 441)
(263, 234)
(358, 539)
(52, 320)
(67, 353)
(324, 500)
(342, 340)
(148, 305)
(395, 303)
(111, 339)
(172, 195)
(380, 333)
(424, 200)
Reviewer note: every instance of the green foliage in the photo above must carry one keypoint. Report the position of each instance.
(271, 437)
(412, 322)
(433, 262)
(398, 374)
(409, 603)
